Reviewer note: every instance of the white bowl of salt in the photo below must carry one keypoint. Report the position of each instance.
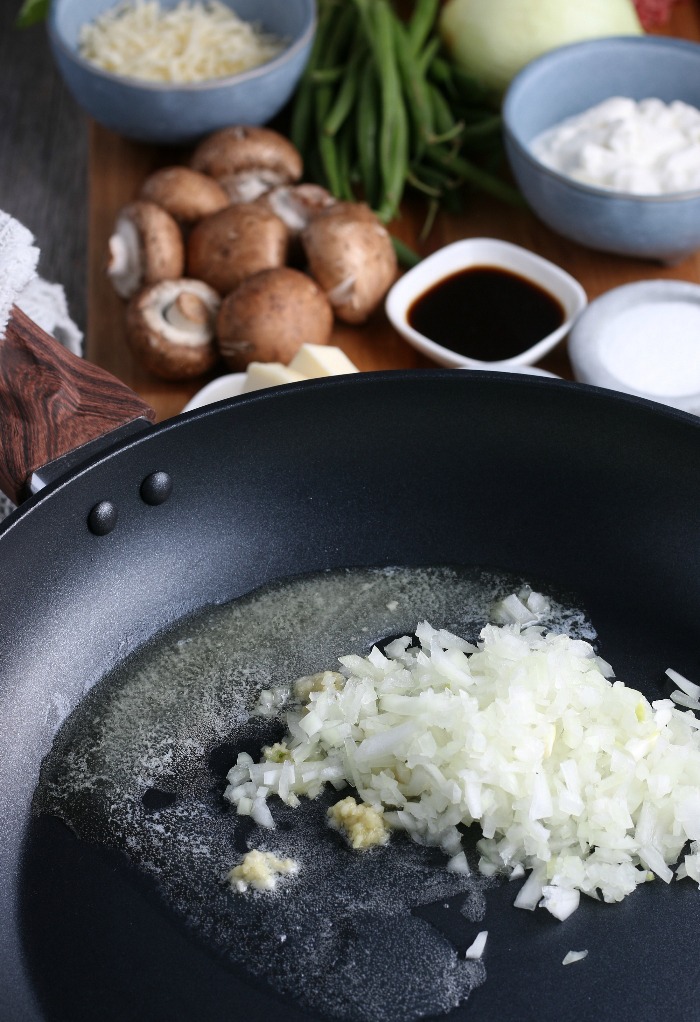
(642, 339)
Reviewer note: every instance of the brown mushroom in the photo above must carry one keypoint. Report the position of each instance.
(170, 328)
(270, 315)
(247, 160)
(351, 256)
(186, 194)
(145, 247)
(225, 248)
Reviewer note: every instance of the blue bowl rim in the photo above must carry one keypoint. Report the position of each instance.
(208, 83)
(607, 42)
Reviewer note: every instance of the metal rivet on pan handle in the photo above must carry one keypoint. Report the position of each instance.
(156, 488)
(102, 518)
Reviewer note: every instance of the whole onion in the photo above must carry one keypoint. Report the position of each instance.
(493, 40)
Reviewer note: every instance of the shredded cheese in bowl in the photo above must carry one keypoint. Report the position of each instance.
(191, 42)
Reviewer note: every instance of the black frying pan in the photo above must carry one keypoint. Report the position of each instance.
(589, 491)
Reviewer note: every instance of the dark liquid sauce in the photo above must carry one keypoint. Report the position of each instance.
(486, 313)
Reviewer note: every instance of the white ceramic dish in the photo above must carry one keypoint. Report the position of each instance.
(219, 389)
(642, 339)
(231, 385)
(489, 253)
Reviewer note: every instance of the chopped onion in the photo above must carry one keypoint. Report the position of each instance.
(458, 864)
(684, 685)
(572, 777)
(530, 894)
(561, 902)
(683, 699)
(476, 949)
(574, 956)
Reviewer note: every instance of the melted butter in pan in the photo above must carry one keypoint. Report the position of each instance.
(140, 767)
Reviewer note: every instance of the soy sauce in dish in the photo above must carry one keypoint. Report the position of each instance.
(486, 313)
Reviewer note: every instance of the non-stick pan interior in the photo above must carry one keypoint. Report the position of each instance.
(591, 492)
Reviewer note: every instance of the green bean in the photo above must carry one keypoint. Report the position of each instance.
(414, 87)
(440, 72)
(327, 75)
(368, 133)
(442, 113)
(393, 142)
(329, 160)
(425, 59)
(421, 23)
(326, 30)
(326, 145)
(452, 134)
(344, 147)
(331, 35)
(433, 209)
(405, 255)
(473, 175)
(379, 108)
(302, 116)
(435, 178)
(337, 37)
(346, 95)
(447, 74)
(486, 126)
(434, 190)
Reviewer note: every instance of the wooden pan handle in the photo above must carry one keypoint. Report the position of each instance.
(52, 402)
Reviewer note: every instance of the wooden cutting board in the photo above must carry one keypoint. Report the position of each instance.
(117, 167)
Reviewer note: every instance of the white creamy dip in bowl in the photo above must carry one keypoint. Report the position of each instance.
(568, 81)
(641, 147)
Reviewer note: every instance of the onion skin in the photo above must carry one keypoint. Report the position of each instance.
(493, 41)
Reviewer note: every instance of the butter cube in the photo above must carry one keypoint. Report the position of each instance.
(269, 374)
(314, 360)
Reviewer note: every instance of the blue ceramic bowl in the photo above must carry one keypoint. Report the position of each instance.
(568, 81)
(177, 114)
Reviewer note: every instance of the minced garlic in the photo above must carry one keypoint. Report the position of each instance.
(260, 870)
(363, 825)
(303, 687)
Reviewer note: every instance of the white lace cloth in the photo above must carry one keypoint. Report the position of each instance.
(43, 302)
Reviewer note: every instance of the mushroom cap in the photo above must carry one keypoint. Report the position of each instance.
(270, 315)
(146, 246)
(242, 147)
(186, 194)
(170, 328)
(225, 248)
(350, 254)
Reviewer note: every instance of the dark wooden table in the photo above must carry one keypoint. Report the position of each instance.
(44, 157)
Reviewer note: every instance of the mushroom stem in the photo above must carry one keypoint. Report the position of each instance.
(343, 291)
(187, 311)
(170, 328)
(124, 263)
(146, 246)
(118, 253)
